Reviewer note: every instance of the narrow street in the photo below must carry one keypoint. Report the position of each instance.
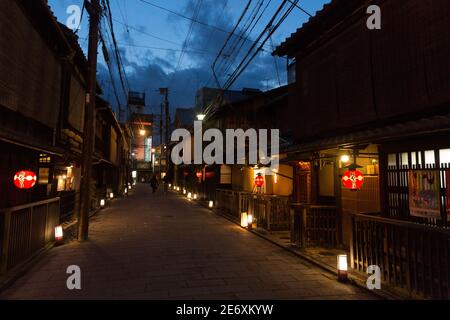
(163, 247)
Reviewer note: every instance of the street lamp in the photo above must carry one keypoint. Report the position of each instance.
(142, 132)
(201, 117)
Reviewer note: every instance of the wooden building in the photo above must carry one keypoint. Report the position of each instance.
(43, 74)
(379, 99)
(42, 86)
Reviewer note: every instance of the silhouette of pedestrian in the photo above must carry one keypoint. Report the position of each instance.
(166, 183)
(154, 184)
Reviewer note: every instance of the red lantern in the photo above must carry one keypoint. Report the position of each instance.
(199, 174)
(259, 180)
(353, 180)
(25, 179)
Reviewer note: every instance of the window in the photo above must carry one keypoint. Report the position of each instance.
(444, 156)
(429, 157)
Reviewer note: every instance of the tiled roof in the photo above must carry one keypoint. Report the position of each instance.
(331, 14)
(387, 132)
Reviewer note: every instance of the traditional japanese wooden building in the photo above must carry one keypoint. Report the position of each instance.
(379, 99)
(42, 86)
(43, 74)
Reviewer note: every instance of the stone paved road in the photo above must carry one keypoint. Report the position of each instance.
(163, 247)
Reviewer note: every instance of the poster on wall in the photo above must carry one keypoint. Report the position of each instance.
(447, 190)
(424, 194)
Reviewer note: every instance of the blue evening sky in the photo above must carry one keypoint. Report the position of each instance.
(151, 44)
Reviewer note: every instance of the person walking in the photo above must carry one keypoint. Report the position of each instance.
(154, 184)
(166, 184)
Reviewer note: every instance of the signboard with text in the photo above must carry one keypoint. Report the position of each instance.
(424, 192)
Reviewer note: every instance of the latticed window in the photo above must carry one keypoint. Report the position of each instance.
(418, 186)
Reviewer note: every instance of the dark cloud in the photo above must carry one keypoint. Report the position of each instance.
(148, 72)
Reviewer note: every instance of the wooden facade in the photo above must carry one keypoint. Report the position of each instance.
(383, 96)
(42, 102)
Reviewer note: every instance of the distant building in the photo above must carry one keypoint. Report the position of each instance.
(142, 128)
(184, 118)
(209, 98)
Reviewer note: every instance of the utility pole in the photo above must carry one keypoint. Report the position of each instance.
(161, 140)
(166, 104)
(93, 8)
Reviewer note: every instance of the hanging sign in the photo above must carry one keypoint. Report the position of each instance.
(25, 179)
(424, 192)
(353, 180)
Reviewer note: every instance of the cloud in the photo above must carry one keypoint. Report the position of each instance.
(148, 72)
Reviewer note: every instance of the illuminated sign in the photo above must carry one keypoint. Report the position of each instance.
(259, 180)
(25, 179)
(353, 180)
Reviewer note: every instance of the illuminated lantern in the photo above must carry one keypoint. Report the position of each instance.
(199, 174)
(59, 234)
(259, 180)
(244, 220)
(353, 179)
(211, 204)
(342, 267)
(249, 221)
(102, 203)
(25, 179)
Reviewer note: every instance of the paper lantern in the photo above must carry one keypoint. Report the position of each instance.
(249, 221)
(59, 234)
(353, 179)
(25, 179)
(259, 180)
(244, 220)
(342, 267)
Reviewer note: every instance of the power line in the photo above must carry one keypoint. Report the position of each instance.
(249, 33)
(300, 8)
(188, 18)
(270, 29)
(156, 37)
(122, 74)
(227, 40)
(186, 41)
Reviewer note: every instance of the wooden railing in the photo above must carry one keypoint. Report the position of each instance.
(270, 212)
(230, 201)
(314, 225)
(25, 230)
(412, 257)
